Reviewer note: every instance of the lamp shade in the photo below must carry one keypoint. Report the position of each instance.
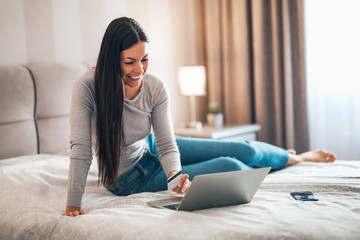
(192, 80)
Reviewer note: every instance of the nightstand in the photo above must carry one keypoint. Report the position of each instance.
(227, 133)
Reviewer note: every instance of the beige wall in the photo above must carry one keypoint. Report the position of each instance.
(71, 30)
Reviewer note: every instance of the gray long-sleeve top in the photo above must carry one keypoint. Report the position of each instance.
(150, 107)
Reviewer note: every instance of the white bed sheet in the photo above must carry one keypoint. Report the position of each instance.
(33, 196)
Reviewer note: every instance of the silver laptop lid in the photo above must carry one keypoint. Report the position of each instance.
(223, 189)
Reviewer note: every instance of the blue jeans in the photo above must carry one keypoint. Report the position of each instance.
(199, 156)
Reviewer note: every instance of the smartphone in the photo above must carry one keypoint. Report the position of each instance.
(304, 196)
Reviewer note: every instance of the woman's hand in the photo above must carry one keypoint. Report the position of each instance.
(183, 185)
(73, 211)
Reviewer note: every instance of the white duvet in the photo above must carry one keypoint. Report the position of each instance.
(33, 197)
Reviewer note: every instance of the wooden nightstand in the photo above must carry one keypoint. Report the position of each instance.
(228, 133)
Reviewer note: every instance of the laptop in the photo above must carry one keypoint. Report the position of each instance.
(217, 190)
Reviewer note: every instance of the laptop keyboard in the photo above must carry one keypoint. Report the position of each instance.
(172, 206)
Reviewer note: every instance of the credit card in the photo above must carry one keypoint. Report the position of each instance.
(174, 180)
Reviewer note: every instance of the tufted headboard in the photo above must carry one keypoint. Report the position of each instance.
(34, 107)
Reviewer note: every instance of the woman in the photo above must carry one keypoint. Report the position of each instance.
(119, 103)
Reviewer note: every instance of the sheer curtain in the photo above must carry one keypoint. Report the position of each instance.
(332, 43)
(254, 54)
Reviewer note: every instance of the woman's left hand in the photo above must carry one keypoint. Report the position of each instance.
(183, 185)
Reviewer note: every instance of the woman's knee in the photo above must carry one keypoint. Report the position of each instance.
(251, 149)
(216, 165)
(231, 164)
(251, 153)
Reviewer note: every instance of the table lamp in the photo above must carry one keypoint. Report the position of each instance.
(192, 83)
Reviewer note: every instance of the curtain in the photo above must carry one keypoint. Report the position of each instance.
(254, 54)
(333, 79)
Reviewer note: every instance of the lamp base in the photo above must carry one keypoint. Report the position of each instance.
(196, 125)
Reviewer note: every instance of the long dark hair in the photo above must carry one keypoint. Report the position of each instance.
(121, 34)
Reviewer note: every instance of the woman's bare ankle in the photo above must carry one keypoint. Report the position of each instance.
(293, 159)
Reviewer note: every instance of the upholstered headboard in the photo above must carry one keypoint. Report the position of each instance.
(34, 107)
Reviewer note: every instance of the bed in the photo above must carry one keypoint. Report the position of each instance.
(34, 131)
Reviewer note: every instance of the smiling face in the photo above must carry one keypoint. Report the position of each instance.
(134, 63)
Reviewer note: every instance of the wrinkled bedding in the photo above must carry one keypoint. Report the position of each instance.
(33, 197)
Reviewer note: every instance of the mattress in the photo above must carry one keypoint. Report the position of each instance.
(33, 198)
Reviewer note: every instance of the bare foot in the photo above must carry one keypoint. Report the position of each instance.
(311, 156)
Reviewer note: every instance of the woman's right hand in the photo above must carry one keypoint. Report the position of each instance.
(73, 211)
(183, 185)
